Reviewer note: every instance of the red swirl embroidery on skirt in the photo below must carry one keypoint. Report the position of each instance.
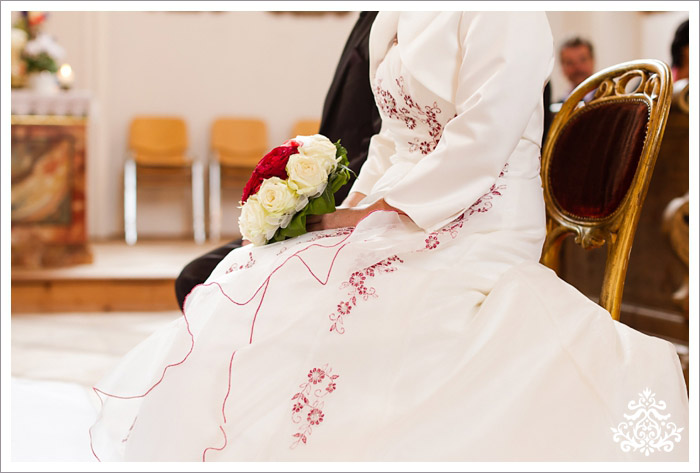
(309, 412)
(358, 290)
(237, 267)
(411, 114)
(482, 205)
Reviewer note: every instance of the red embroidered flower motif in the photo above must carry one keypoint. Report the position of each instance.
(482, 205)
(344, 308)
(237, 267)
(411, 115)
(316, 375)
(357, 279)
(357, 286)
(432, 241)
(315, 416)
(273, 164)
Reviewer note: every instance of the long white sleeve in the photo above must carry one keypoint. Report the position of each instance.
(381, 148)
(506, 59)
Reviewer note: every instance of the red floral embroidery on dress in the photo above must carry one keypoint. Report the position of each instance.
(311, 410)
(483, 204)
(237, 267)
(357, 286)
(411, 114)
(332, 233)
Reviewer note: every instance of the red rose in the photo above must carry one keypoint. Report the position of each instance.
(273, 164)
(252, 186)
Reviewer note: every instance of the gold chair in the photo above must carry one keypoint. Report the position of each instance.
(158, 147)
(306, 127)
(237, 144)
(597, 163)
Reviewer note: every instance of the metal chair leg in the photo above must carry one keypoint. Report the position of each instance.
(130, 202)
(198, 202)
(214, 201)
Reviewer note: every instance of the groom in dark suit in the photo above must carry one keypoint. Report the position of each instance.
(349, 114)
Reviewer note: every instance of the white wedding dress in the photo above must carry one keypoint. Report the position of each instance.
(430, 336)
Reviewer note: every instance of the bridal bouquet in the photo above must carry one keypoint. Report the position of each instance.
(290, 182)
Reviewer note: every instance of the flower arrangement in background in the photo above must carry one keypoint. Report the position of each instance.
(290, 182)
(42, 54)
(30, 22)
(32, 50)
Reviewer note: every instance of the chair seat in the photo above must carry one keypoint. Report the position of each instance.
(247, 160)
(161, 160)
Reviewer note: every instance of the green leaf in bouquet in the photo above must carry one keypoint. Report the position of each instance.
(323, 204)
(296, 227)
(342, 153)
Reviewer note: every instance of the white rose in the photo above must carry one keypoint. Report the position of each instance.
(321, 148)
(307, 175)
(276, 197)
(255, 223)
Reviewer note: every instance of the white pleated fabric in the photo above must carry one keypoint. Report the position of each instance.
(407, 338)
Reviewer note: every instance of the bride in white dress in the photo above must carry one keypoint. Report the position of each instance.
(418, 324)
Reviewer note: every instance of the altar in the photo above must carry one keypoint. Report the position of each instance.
(48, 154)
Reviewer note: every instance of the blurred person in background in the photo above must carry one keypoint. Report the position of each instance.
(577, 63)
(680, 61)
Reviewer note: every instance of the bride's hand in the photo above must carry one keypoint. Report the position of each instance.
(339, 219)
(345, 217)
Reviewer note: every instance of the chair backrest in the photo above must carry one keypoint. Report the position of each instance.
(158, 141)
(239, 142)
(306, 127)
(597, 163)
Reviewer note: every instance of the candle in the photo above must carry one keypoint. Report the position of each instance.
(65, 76)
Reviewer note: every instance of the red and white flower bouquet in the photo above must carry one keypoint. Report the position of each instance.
(290, 182)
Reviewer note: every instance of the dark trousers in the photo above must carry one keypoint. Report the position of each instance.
(198, 270)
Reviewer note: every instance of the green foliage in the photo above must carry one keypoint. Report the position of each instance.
(39, 63)
(323, 204)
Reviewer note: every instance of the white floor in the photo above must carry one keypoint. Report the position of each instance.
(56, 358)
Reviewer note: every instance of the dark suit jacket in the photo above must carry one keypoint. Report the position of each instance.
(349, 112)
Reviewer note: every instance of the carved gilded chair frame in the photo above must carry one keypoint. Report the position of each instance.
(618, 228)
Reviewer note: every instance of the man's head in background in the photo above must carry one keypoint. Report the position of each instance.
(576, 57)
(679, 52)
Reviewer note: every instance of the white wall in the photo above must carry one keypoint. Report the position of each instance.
(274, 66)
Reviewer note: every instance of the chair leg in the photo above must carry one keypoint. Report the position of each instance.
(214, 201)
(130, 202)
(198, 202)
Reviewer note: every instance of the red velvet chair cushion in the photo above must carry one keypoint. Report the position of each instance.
(595, 158)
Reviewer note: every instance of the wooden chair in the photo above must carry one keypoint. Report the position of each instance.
(597, 162)
(237, 144)
(158, 148)
(306, 127)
